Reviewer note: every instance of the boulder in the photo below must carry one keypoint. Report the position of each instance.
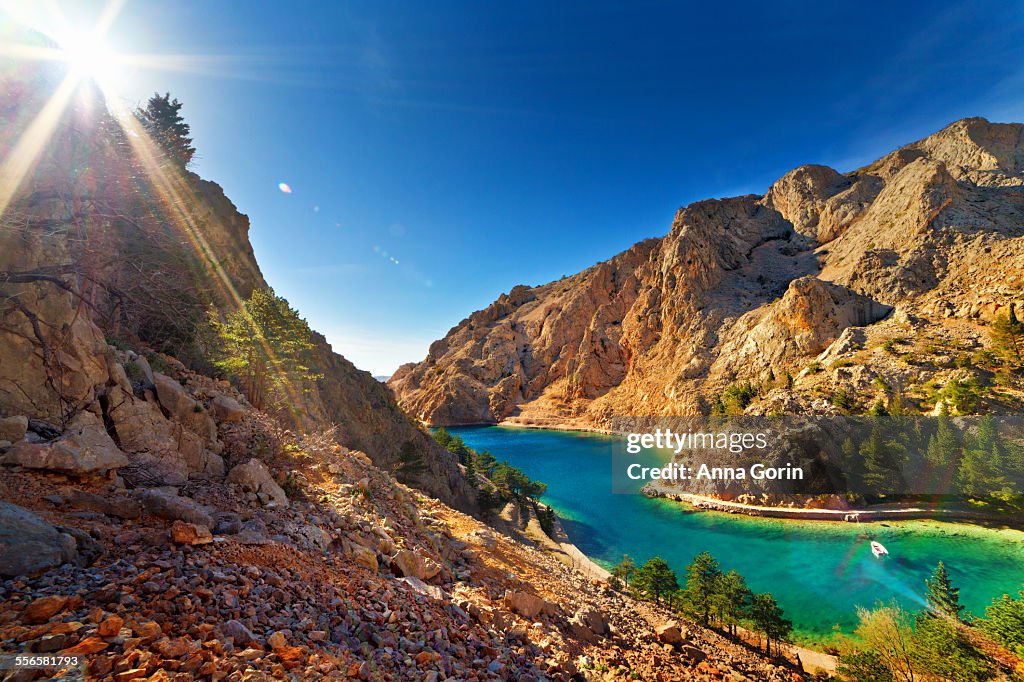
(528, 605)
(84, 449)
(669, 633)
(415, 565)
(694, 654)
(168, 505)
(30, 545)
(432, 591)
(361, 556)
(183, 409)
(226, 409)
(239, 634)
(184, 533)
(12, 429)
(590, 621)
(255, 477)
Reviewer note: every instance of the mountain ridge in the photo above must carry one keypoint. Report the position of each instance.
(665, 326)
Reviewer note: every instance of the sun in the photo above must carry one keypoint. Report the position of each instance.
(90, 57)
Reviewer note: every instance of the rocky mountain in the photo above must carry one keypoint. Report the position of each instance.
(882, 282)
(104, 242)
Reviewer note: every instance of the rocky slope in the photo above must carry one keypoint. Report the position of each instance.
(270, 556)
(101, 242)
(923, 249)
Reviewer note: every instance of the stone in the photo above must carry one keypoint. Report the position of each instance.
(84, 449)
(87, 647)
(238, 633)
(226, 409)
(42, 609)
(669, 633)
(118, 506)
(255, 477)
(184, 533)
(415, 565)
(29, 545)
(432, 591)
(12, 429)
(173, 507)
(527, 605)
(362, 556)
(592, 620)
(110, 626)
(694, 654)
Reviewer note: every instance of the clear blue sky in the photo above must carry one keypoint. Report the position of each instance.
(487, 144)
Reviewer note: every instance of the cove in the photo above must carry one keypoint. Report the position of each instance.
(820, 572)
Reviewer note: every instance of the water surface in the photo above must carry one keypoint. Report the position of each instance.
(819, 571)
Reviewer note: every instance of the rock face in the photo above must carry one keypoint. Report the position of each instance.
(746, 290)
(147, 259)
(29, 544)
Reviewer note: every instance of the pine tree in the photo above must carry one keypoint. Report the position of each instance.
(162, 120)
(656, 579)
(1004, 621)
(981, 468)
(1007, 337)
(268, 348)
(883, 463)
(942, 598)
(625, 569)
(942, 454)
(702, 576)
(769, 619)
(733, 599)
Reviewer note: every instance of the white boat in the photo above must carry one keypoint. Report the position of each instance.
(878, 549)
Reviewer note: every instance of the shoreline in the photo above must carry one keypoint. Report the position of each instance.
(705, 503)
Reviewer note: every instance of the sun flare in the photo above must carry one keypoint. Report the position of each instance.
(89, 57)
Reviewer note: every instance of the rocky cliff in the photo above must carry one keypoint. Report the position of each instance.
(104, 242)
(883, 280)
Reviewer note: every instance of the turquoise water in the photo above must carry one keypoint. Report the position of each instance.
(819, 571)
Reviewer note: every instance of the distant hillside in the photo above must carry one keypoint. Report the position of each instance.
(876, 285)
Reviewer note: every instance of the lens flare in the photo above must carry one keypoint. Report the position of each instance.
(284, 187)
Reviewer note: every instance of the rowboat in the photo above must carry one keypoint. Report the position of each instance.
(878, 549)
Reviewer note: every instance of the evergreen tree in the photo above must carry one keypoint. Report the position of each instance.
(702, 576)
(939, 651)
(1007, 338)
(769, 619)
(981, 468)
(942, 598)
(656, 579)
(733, 599)
(625, 569)
(268, 348)
(883, 463)
(942, 455)
(1004, 622)
(162, 120)
(410, 462)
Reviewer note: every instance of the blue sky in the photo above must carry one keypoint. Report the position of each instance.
(483, 145)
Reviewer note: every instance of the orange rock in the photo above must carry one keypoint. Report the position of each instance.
(149, 630)
(110, 626)
(127, 675)
(89, 645)
(43, 609)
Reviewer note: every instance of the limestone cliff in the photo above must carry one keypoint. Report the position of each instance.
(752, 289)
(99, 244)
